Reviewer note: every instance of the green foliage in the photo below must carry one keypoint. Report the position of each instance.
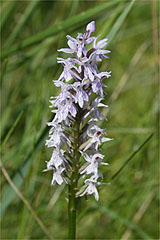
(32, 31)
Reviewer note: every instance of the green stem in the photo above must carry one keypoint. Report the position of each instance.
(72, 206)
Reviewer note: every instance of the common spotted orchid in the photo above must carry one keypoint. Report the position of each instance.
(75, 136)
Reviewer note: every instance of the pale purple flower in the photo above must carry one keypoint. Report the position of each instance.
(57, 176)
(75, 46)
(94, 161)
(78, 45)
(91, 189)
(65, 103)
(97, 85)
(70, 70)
(56, 160)
(57, 136)
(94, 110)
(88, 73)
(89, 29)
(96, 135)
(64, 86)
(81, 95)
(99, 52)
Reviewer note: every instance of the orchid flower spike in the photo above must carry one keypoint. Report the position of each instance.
(75, 137)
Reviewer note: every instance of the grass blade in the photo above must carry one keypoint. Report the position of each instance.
(53, 30)
(139, 214)
(13, 186)
(44, 45)
(125, 77)
(74, 6)
(21, 22)
(132, 155)
(110, 21)
(7, 13)
(9, 193)
(119, 21)
(12, 128)
(3, 71)
(112, 214)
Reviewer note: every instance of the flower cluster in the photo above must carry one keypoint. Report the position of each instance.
(80, 99)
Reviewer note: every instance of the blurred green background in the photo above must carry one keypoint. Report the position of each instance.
(32, 31)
